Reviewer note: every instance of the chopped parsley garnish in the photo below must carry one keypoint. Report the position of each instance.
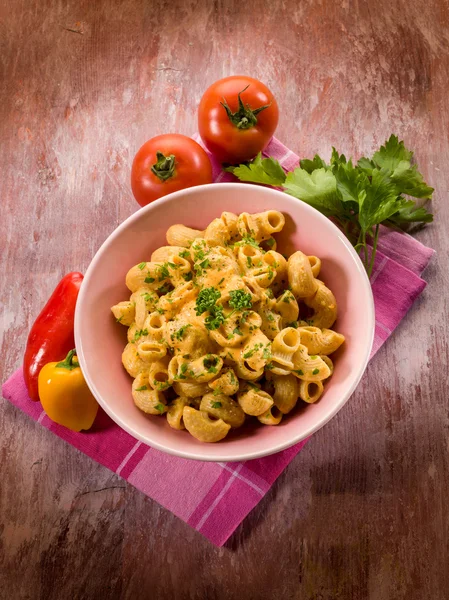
(221, 281)
(149, 279)
(270, 242)
(147, 297)
(202, 266)
(183, 368)
(237, 331)
(270, 273)
(141, 389)
(139, 333)
(160, 407)
(248, 240)
(119, 319)
(270, 317)
(187, 276)
(314, 357)
(210, 363)
(215, 319)
(142, 265)
(165, 289)
(172, 265)
(293, 324)
(299, 371)
(163, 272)
(161, 311)
(240, 300)
(249, 262)
(199, 250)
(253, 386)
(206, 300)
(232, 376)
(181, 331)
(269, 366)
(315, 371)
(216, 404)
(184, 254)
(266, 352)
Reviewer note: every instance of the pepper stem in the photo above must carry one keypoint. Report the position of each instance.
(245, 117)
(68, 363)
(164, 168)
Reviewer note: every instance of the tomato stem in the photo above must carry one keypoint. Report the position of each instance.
(164, 168)
(245, 117)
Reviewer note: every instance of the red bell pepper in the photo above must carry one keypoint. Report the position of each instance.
(52, 335)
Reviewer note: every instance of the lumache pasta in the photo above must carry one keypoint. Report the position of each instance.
(223, 329)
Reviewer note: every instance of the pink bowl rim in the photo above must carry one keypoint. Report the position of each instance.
(203, 455)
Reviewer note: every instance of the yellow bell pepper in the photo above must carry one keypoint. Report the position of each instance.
(64, 394)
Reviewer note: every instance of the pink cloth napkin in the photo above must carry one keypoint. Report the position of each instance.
(214, 498)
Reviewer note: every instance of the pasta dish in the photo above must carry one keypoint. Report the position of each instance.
(222, 328)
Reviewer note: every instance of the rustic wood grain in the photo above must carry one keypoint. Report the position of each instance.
(362, 512)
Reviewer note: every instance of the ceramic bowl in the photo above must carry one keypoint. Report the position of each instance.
(100, 340)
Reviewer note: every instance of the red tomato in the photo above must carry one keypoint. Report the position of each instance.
(237, 117)
(166, 164)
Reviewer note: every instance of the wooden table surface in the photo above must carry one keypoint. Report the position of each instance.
(362, 512)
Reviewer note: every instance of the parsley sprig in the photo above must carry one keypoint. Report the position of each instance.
(240, 300)
(358, 197)
(207, 302)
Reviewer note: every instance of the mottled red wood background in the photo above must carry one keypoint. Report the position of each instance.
(362, 513)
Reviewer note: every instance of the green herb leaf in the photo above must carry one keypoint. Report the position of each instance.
(216, 404)
(261, 170)
(408, 180)
(389, 156)
(410, 213)
(378, 200)
(319, 189)
(311, 165)
(149, 280)
(141, 389)
(142, 265)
